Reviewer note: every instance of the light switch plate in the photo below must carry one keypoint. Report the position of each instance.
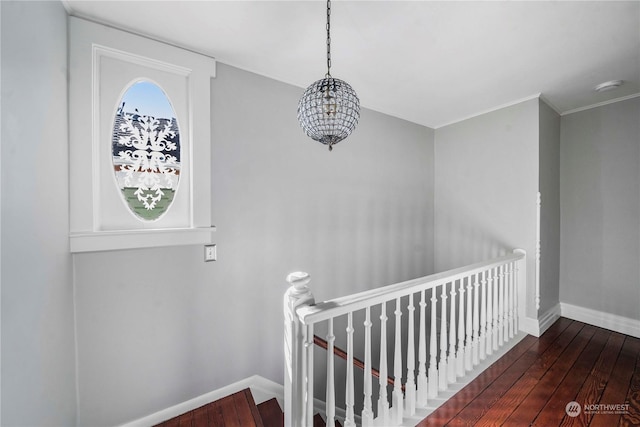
(210, 253)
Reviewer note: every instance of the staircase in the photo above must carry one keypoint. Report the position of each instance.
(236, 410)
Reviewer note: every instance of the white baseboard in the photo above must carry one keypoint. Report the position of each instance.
(262, 389)
(549, 318)
(613, 322)
(537, 327)
(529, 325)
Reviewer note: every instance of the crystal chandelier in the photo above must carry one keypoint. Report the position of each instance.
(329, 109)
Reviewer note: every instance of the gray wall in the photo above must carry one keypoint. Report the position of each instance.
(38, 354)
(549, 185)
(486, 181)
(156, 327)
(600, 210)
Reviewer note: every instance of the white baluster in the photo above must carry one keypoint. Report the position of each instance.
(383, 401)
(507, 296)
(461, 347)
(309, 368)
(511, 296)
(349, 397)
(496, 308)
(367, 410)
(516, 297)
(433, 348)
(489, 336)
(330, 392)
(397, 405)
(422, 354)
(442, 366)
(501, 305)
(410, 385)
(468, 349)
(476, 321)
(451, 359)
(483, 319)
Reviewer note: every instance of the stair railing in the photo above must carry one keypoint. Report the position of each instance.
(477, 308)
(337, 351)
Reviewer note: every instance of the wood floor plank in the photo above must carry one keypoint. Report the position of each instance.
(173, 422)
(525, 413)
(200, 417)
(186, 420)
(229, 412)
(216, 416)
(236, 410)
(255, 414)
(593, 387)
(271, 413)
(246, 409)
(445, 413)
(492, 394)
(551, 354)
(503, 408)
(617, 387)
(448, 412)
(553, 412)
(486, 400)
(632, 417)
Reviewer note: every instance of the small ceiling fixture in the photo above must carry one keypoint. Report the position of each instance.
(607, 86)
(329, 109)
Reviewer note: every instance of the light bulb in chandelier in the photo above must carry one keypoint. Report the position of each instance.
(329, 105)
(329, 109)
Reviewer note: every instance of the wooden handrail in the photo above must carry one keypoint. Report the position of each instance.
(314, 313)
(343, 355)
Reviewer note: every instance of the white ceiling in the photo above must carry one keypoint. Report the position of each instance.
(431, 63)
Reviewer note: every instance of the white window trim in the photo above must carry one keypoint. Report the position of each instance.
(90, 228)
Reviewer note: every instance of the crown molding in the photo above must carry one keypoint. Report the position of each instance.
(600, 104)
(490, 110)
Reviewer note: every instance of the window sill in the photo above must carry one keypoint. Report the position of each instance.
(135, 239)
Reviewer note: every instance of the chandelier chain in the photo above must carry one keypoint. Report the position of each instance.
(328, 38)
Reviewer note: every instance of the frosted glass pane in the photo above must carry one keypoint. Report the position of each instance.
(146, 150)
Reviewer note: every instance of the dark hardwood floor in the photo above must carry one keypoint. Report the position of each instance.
(236, 410)
(534, 383)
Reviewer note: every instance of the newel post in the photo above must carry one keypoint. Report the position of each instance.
(298, 354)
